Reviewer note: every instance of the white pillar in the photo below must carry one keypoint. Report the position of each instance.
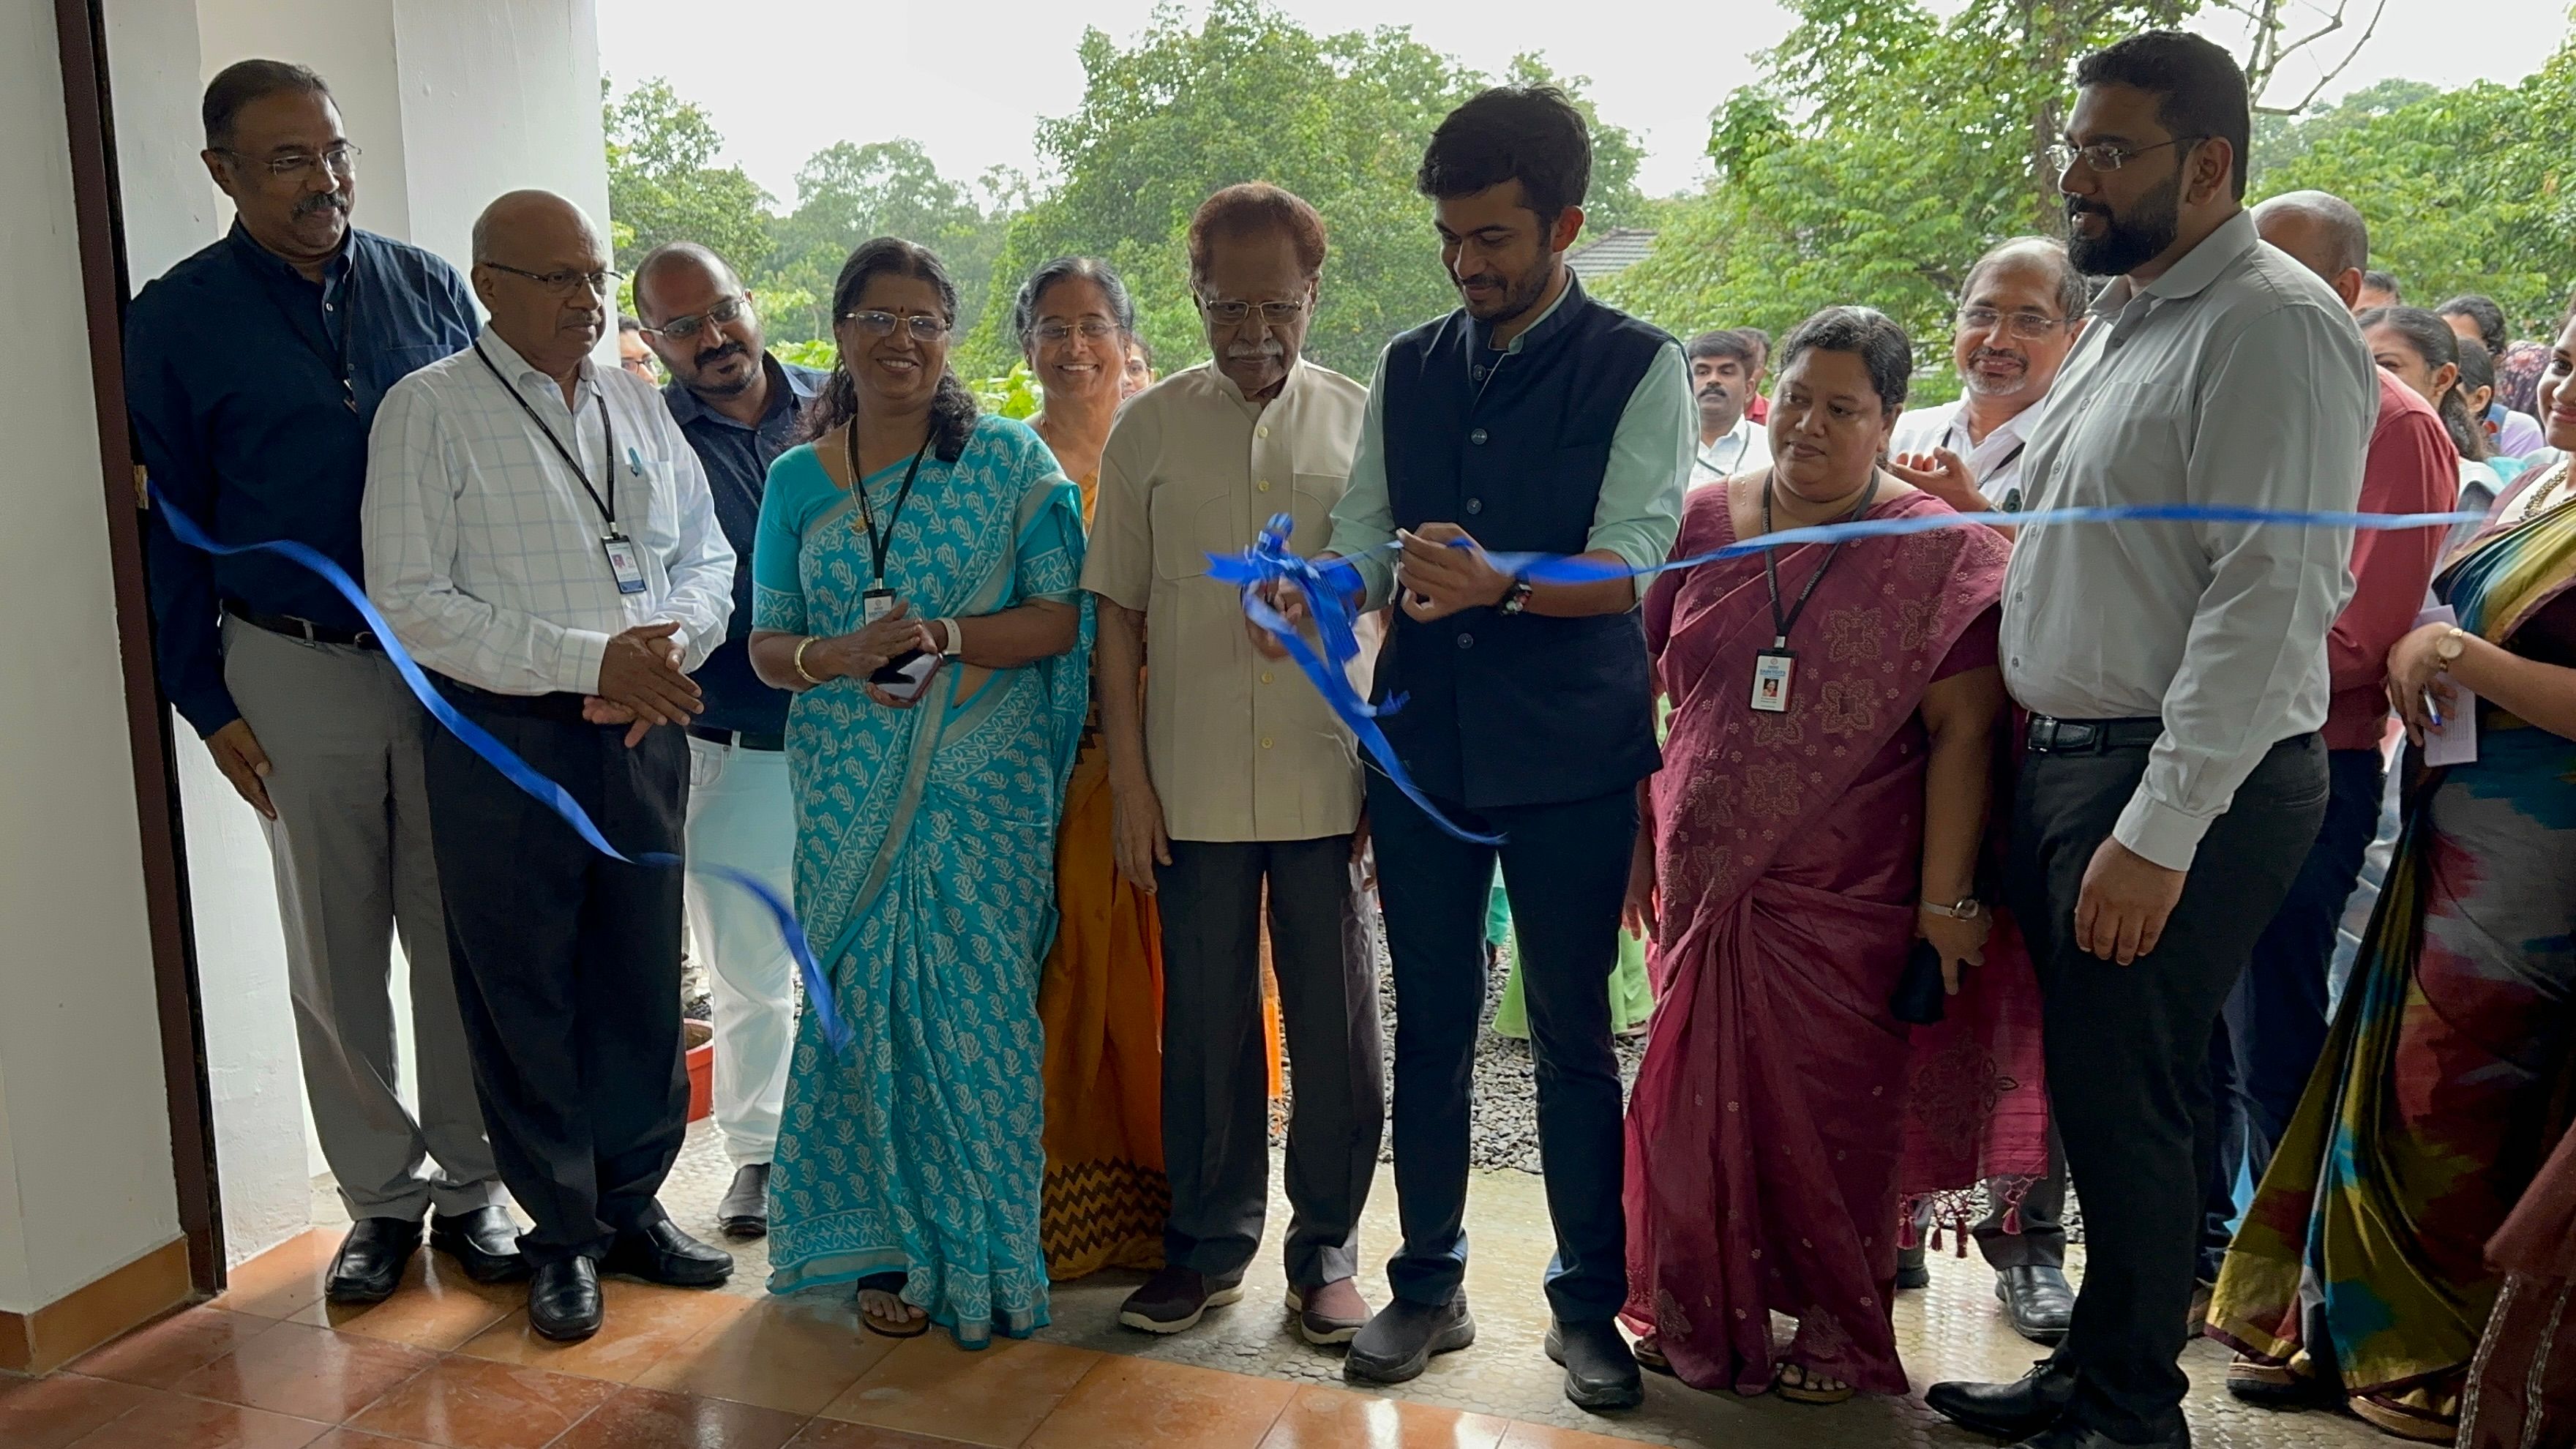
(85, 1180)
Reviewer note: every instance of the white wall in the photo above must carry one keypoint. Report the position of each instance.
(85, 1182)
(453, 102)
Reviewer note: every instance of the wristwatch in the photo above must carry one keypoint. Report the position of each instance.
(953, 639)
(2453, 643)
(1515, 598)
(1967, 908)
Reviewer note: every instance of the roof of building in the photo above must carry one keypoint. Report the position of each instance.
(1612, 251)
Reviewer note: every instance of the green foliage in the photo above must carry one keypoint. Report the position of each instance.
(2280, 140)
(847, 194)
(1341, 121)
(664, 183)
(2472, 190)
(1887, 149)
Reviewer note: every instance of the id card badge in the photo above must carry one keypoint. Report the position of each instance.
(625, 561)
(1773, 670)
(875, 604)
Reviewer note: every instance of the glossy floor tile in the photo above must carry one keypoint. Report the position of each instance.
(471, 1403)
(437, 1307)
(165, 1421)
(49, 1413)
(1150, 1405)
(285, 1280)
(996, 1397)
(1327, 1418)
(311, 1373)
(640, 1325)
(791, 1354)
(161, 1354)
(651, 1419)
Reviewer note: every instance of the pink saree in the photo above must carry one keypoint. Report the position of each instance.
(1767, 1126)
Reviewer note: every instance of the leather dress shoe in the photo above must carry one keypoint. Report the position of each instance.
(1403, 1337)
(2025, 1406)
(563, 1300)
(370, 1261)
(2037, 1301)
(744, 1213)
(484, 1242)
(1600, 1372)
(2071, 1436)
(664, 1254)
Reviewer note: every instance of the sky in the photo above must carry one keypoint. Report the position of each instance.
(970, 84)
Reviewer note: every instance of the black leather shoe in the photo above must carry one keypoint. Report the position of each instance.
(1600, 1372)
(2069, 1436)
(1912, 1273)
(2023, 1407)
(1403, 1337)
(484, 1242)
(744, 1213)
(664, 1254)
(2037, 1301)
(563, 1300)
(370, 1261)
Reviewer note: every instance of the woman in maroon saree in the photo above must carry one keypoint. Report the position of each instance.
(1792, 858)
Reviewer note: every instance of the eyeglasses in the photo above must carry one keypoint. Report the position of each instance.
(2103, 156)
(923, 326)
(2028, 326)
(1228, 314)
(565, 283)
(681, 329)
(1092, 329)
(340, 161)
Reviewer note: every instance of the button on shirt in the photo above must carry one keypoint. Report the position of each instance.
(736, 460)
(1240, 747)
(1743, 448)
(232, 376)
(483, 549)
(2235, 379)
(1994, 465)
(1638, 515)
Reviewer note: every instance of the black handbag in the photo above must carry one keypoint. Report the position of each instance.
(1920, 999)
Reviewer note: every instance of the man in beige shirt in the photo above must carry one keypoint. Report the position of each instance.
(1235, 773)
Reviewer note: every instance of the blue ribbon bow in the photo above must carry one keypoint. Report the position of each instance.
(818, 990)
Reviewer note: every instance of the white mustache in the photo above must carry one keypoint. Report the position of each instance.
(1241, 352)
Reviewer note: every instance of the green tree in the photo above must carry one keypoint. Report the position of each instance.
(1341, 121)
(664, 183)
(848, 193)
(2279, 140)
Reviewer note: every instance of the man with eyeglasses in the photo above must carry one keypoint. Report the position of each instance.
(2176, 676)
(253, 370)
(539, 532)
(2019, 313)
(1234, 780)
(738, 407)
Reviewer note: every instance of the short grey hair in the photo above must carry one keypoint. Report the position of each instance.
(2047, 254)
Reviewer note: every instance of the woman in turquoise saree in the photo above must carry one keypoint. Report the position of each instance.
(909, 1162)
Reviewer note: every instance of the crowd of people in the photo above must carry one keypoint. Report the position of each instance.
(1959, 869)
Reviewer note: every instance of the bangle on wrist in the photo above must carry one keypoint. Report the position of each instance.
(1966, 908)
(801, 672)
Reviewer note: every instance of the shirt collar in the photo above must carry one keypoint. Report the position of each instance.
(527, 377)
(1558, 316)
(276, 268)
(1234, 390)
(786, 389)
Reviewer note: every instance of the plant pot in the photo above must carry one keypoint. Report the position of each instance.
(699, 1039)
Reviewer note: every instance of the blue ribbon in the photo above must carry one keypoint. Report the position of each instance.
(1328, 587)
(818, 990)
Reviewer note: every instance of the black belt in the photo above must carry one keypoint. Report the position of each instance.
(740, 739)
(558, 705)
(2051, 736)
(304, 629)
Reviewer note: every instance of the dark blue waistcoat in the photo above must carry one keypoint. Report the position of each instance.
(1515, 710)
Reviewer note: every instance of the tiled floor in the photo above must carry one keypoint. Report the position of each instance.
(446, 1363)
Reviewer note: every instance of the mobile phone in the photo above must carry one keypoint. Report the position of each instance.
(904, 675)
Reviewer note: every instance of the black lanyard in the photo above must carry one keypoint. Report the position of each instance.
(879, 543)
(1782, 624)
(1743, 445)
(608, 444)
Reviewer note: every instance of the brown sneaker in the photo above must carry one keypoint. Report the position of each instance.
(1173, 1300)
(1333, 1313)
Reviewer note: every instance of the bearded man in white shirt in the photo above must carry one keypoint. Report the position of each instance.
(538, 530)
(2175, 675)
(2019, 314)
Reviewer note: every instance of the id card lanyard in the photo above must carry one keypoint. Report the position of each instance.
(1775, 670)
(878, 601)
(625, 561)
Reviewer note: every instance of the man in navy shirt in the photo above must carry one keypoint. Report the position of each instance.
(738, 407)
(253, 370)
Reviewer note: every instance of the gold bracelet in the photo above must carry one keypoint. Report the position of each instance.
(801, 646)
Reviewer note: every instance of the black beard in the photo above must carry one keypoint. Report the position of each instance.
(2126, 244)
(1521, 294)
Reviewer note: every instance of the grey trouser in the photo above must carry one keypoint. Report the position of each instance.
(2041, 1243)
(351, 847)
(1216, 1107)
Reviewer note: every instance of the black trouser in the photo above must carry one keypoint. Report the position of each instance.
(567, 963)
(1216, 1065)
(1566, 870)
(2128, 1049)
(2274, 1028)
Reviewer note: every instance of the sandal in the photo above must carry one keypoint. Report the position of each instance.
(881, 1325)
(1800, 1393)
(2399, 1421)
(1650, 1355)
